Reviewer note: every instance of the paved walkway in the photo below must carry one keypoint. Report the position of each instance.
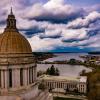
(69, 96)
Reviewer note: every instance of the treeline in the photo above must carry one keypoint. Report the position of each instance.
(93, 52)
(71, 62)
(40, 56)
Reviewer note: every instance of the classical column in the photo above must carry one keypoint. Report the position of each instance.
(59, 84)
(25, 77)
(30, 75)
(35, 73)
(15, 78)
(56, 85)
(2, 79)
(6, 78)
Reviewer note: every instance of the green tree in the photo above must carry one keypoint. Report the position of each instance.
(57, 72)
(72, 61)
(94, 85)
(42, 86)
(52, 71)
(48, 71)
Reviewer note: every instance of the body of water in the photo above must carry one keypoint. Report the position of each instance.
(65, 69)
(66, 56)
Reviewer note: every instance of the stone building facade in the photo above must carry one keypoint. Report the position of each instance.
(18, 70)
(62, 83)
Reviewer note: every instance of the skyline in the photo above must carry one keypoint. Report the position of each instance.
(66, 26)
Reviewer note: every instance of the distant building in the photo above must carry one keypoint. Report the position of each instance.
(62, 83)
(18, 71)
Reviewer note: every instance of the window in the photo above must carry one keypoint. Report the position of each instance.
(10, 77)
(21, 76)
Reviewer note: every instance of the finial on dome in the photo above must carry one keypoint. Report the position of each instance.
(11, 21)
(11, 11)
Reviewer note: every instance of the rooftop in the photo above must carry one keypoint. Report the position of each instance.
(64, 78)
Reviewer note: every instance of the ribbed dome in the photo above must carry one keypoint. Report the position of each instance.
(11, 41)
(14, 42)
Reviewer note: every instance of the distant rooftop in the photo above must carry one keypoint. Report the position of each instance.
(65, 78)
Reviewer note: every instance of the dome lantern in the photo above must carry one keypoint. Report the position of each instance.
(11, 22)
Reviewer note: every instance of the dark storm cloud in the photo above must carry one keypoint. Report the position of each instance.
(58, 18)
(2, 22)
(52, 36)
(73, 40)
(30, 32)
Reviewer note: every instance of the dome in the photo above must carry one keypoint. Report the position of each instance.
(11, 41)
(14, 42)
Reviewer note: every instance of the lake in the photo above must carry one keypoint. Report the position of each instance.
(66, 56)
(65, 69)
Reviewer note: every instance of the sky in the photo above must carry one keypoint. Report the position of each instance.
(56, 25)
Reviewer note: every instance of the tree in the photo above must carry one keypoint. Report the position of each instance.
(42, 86)
(52, 71)
(72, 61)
(39, 73)
(48, 71)
(57, 72)
(94, 85)
(82, 72)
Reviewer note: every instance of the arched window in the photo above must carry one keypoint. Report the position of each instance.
(21, 76)
(10, 77)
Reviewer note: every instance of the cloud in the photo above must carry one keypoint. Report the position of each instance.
(84, 22)
(51, 34)
(74, 35)
(39, 44)
(95, 7)
(58, 12)
(61, 25)
(55, 4)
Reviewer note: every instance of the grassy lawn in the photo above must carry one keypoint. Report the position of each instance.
(59, 98)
